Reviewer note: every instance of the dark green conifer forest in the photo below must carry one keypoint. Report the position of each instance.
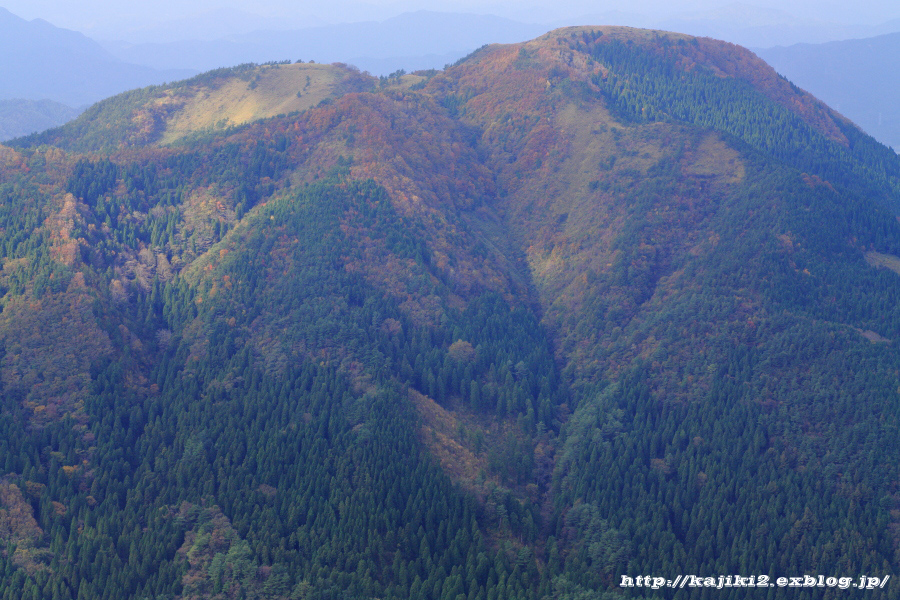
(608, 303)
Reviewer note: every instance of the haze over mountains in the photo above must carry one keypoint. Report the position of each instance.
(607, 302)
(851, 76)
(41, 61)
(47, 74)
(20, 117)
(48, 63)
(411, 41)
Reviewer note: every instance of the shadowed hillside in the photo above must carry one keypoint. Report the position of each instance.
(605, 303)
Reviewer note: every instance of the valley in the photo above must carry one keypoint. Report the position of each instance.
(597, 304)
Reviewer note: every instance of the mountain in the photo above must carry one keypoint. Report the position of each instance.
(46, 62)
(756, 26)
(750, 25)
(605, 303)
(397, 43)
(837, 71)
(21, 117)
(208, 103)
(208, 25)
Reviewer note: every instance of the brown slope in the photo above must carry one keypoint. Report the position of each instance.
(206, 104)
(432, 171)
(571, 175)
(675, 253)
(609, 213)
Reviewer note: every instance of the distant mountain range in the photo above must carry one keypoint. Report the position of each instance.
(47, 72)
(214, 24)
(750, 25)
(855, 77)
(47, 62)
(416, 40)
(20, 117)
(603, 303)
(41, 61)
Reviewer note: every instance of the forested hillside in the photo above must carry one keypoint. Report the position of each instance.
(610, 302)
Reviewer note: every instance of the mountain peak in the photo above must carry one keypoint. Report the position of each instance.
(609, 301)
(687, 53)
(211, 102)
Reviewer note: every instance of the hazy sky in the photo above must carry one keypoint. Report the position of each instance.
(107, 15)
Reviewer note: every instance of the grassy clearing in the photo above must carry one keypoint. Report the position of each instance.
(888, 261)
(273, 90)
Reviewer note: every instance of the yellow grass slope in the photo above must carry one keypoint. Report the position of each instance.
(268, 91)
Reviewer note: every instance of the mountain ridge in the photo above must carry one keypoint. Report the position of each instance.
(20, 117)
(63, 65)
(421, 32)
(422, 339)
(833, 69)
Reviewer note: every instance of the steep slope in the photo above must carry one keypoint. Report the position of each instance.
(561, 152)
(204, 104)
(698, 293)
(327, 275)
(605, 303)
